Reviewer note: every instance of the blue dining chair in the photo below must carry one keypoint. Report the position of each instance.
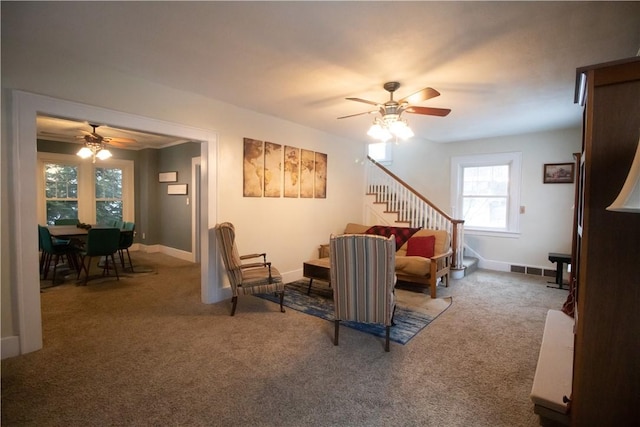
(101, 242)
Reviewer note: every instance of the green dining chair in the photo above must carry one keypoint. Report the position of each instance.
(126, 240)
(101, 242)
(55, 251)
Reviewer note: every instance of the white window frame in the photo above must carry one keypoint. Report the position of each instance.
(514, 161)
(86, 185)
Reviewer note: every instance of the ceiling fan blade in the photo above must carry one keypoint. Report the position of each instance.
(116, 144)
(364, 100)
(358, 114)
(419, 96)
(120, 140)
(428, 111)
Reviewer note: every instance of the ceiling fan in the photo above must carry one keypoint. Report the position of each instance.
(390, 123)
(95, 145)
(95, 138)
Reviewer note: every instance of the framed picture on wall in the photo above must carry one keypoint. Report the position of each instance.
(307, 173)
(558, 173)
(168, 177)
(320, 180)
(253, 168)
(291, 171)
(177, 189)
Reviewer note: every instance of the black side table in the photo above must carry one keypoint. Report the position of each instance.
(560, 259)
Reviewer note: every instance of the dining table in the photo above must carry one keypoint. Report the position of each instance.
(67, 231)
(78, 235)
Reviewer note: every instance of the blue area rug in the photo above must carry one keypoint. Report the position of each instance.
(319, 303)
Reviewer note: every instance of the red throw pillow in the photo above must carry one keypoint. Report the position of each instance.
(423, 246)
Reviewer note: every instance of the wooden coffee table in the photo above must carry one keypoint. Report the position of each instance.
(319, 269)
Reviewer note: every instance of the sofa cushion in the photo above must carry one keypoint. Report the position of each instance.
(421, 246)
(413, 265)
(442, 241)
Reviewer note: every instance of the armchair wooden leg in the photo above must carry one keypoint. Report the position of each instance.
(386, 344)
(433, 281)
(234, 301)
(337, 330)
(281, 302)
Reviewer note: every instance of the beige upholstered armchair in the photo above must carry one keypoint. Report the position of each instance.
(363, 277)
(246, 279)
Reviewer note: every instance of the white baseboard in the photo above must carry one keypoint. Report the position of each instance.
(176, 253)
(292, 276)
(10, 347)
(487, 264)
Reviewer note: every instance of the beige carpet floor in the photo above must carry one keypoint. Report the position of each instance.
(144, 351)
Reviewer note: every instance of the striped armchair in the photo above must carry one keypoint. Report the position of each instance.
(250, 278)
(363, 277)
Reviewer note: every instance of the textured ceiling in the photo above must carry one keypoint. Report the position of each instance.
(502, 67)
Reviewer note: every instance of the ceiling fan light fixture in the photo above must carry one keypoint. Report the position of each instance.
(94, 149)
(390, 126)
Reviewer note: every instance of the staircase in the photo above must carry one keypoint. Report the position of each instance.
(394, 201)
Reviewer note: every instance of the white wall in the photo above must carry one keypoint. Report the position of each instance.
(289, 230)
(547, 222)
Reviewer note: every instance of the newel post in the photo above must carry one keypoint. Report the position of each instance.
(457, 245)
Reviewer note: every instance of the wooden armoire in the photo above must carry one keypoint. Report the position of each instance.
(606, 268)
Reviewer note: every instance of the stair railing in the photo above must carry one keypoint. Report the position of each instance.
(413, 208)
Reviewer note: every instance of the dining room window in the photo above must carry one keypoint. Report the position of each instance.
(108, 194)
(61, 191)
(70, 187)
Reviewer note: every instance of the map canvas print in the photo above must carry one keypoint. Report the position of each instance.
(253, 168)
(272, 169)
(291, 171)
(307, 173)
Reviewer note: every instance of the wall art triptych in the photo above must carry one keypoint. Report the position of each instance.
(273, 170)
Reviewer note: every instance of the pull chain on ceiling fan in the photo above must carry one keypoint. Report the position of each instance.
(390, 122)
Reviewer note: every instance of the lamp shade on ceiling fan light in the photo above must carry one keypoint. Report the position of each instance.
(377, 131)
(629, 198)
(103, 154)
(400, 129)
(85, 152)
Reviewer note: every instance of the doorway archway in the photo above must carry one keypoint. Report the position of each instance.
(26, 107)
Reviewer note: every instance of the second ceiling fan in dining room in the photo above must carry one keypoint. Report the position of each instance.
(95, 138)
(95, 145)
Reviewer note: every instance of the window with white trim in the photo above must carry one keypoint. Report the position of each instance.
(94, 193)
(381, 152)
(486, 191)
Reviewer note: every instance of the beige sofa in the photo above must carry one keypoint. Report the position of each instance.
(415, 269)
